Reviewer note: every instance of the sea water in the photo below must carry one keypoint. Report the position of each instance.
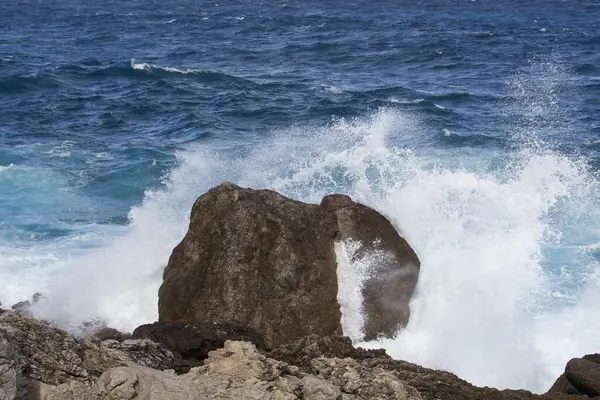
(474, 126)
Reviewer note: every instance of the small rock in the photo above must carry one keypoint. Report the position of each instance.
(319, 389)
(111, 334)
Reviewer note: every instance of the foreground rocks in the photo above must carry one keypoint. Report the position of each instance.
(239, 371)
(254, 275)
(52, 356)
(268, 262)
(39, 361)
(582, 376)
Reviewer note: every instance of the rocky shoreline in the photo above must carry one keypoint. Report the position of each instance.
(249, 310)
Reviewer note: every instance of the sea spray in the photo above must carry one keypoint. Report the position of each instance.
(352, 272)
(480, 223)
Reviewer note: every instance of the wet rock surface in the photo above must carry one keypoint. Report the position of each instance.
(259, 259)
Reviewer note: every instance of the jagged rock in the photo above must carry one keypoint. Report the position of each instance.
(584, 375)
(98, 357)
(53, 357)
(268, 262)
(562, 385)
(308, 354)
(73, 390)
(12, 383)
(361, 382)
(435, 385)
(301, 352)
(319, 389)
(237, 371)
(196, 341)
(111, 334)
(392, 278)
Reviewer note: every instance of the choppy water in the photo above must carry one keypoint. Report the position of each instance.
(473, 125)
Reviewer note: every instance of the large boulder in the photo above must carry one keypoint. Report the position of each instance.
(264, 261)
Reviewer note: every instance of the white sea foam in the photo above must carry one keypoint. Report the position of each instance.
(153, 67)
(505, 295)
(6, 167)
(399, 101)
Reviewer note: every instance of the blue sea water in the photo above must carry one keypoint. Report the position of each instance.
(473, 125)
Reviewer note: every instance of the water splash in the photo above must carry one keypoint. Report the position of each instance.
(492, 230)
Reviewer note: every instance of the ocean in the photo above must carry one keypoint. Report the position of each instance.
(473, 125)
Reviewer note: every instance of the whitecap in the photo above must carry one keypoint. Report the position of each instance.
(7, 167)
(333, 89)
(151, 67)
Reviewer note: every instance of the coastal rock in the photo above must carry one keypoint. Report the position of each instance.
(363, 383)
(256, 258)
(302, 351)
(51, 356)
(578, 375)
(335, 358)
(264, 261)
(584, 375)
(196, 341)
(394, 273)
(107, 333)
(12, 383)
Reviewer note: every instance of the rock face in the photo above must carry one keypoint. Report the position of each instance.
(336, 360)
(582, 376)
(389, 287)
(268, 262)
(53, 357)
(238, 371)
(12, 383)
(196, 341)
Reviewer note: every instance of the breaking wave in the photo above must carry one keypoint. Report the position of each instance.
(503, 282)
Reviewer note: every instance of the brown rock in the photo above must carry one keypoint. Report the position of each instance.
(111, 334)
(564, 385)
(393, 277)
(256, 258)
(264, 261)
(355, 370)
(196, 340)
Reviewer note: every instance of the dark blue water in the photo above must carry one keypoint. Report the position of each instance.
(473, 125)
